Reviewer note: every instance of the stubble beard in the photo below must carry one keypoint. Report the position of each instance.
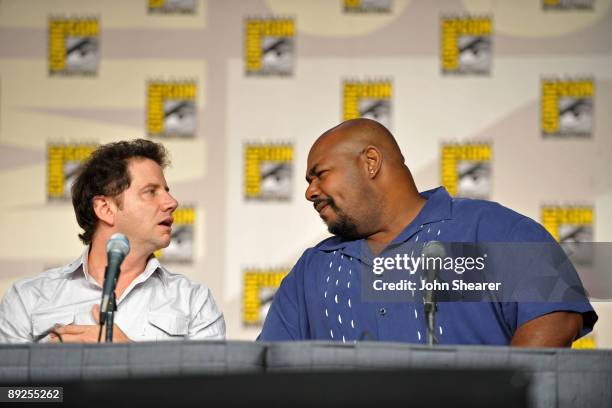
(344, 226)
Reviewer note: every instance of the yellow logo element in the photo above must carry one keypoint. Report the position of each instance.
(259, 287)
(181, 248)
(73, 45)
(269, 46)
(62, 165)
(172, 6)
(568, 223)
(585, 343)
(171, 108)
(367, 6)
(268, 171)
(567, 4)
(368, 99)
(567, 107)
(466, 169)
(466, 45)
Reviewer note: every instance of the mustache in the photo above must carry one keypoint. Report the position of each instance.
(329, 201)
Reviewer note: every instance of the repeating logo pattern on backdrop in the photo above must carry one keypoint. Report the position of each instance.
(567, 107)
(181, 247)
(466, 169)
(466, 46)
(567, 4)
(63, 162)
(172, 6)
(571, 226)
(74, 46)
(268, 170)
(171, 108)
(269, 46)
(367, 6)
(368, 99)
(259, 287)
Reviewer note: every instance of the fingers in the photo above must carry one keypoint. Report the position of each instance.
(72, 338)
(75, 334)
(74, 329)
(95, 311)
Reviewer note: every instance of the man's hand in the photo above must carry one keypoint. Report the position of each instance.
(74, 333)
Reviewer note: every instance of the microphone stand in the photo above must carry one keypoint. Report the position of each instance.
(430, 313)
(110, 318)
(431, 307)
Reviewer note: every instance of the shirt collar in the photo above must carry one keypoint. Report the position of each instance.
(437, 208)
(81, 263)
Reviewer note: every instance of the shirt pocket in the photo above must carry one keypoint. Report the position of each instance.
(43, 324)
(163, 326)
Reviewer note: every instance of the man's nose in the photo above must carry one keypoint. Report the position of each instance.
(170, 203)
(312, 191)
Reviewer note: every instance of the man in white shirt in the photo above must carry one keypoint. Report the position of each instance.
(120, 188)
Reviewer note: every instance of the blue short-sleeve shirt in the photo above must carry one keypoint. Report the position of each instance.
(321, 297)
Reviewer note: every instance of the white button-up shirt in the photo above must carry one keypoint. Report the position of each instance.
(158, 305)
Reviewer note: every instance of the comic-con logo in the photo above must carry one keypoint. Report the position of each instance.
(567, 107)
(269, 46)
(466, 46)
(180, 249)
(171, 108)
(466, 169)
(268, 171)
(74, 46)
(572, 227)
(367, 6)
(172, 6)
(567, 4)
(259, 287)
(368, 99)
(63, 161)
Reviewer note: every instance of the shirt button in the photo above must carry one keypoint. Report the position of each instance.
(382, 311)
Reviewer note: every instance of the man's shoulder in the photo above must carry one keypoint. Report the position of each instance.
(46, 280)
(471, 207)
(178, 281)
(495, 221)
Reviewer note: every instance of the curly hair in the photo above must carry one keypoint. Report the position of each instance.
(106, 173)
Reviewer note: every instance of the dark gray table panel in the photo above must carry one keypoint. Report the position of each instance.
(559, 377)
(47, 362)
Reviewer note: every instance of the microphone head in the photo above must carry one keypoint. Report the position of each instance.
(434, 249)
(118, 243)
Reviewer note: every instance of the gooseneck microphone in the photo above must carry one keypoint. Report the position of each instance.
(117, 249)
(432, 251)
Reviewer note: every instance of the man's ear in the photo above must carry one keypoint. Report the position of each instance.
(105, 209)
(373, 160)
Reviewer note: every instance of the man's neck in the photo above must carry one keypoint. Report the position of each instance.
(396, 219)
(133, 265)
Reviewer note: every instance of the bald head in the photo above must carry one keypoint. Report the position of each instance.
(355, 135)
(356, 177)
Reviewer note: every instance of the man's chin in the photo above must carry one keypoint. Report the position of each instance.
(344, 232)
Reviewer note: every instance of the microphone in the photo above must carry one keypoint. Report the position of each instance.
(433, 250)
(117, 248)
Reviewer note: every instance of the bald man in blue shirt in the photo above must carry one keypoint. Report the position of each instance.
(360, 186)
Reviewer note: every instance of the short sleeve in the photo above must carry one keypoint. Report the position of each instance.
(286, 319)
(207, 322)
(548, 283)
(15, 323)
